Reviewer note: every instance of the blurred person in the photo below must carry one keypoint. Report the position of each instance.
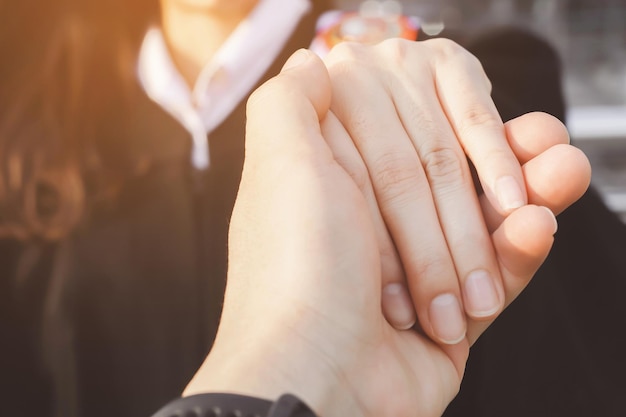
(115, 220)
(115, 281)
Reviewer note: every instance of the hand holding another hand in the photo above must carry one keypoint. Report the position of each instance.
(316, 224)
(403, 117)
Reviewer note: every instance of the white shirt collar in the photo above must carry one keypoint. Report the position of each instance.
(230, 76)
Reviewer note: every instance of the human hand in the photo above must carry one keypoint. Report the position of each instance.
(403, 117)
(302, 310)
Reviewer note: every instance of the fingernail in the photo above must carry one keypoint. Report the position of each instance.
(297, 58)
(556, 224)
(509, 193)
(447, 319)
(481, 296)
(398, 306)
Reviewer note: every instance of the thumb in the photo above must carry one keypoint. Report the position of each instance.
(284, 114)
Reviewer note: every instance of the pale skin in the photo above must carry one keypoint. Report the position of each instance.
(195, 29)
(404, 114)
(461, 281)
(302, 309)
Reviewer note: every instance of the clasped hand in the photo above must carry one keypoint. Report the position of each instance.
(363, 263)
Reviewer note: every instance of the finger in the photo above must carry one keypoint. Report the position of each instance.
(571, 171)
(451, 183)
(400, 185)
(397, 305)
(299, 98)
(533, 133)
(555, 179)
(464, 93)
(522, 243)
(402, 190)
(529, 136)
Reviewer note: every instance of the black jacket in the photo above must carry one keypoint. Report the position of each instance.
(116, 319)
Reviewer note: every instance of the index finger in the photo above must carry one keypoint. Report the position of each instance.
(477, 124)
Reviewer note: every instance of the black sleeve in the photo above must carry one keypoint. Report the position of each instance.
(23, 284)
(231, 405)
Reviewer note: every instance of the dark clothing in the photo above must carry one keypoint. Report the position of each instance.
(558, 350)
(116, 319)
(219, 404)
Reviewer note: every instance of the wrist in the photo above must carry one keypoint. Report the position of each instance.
(268, 371)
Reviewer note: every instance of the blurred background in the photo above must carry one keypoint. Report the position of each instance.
(590, 36)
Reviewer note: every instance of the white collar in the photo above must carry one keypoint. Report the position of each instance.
(254, 44)
(230, 76)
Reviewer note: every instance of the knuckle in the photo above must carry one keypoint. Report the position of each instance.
(396, 176)
(479, 120)
(396, 49)
(480, 116)
(431, 270)
(447, 48)
(405, 54)
(431, 129)
(351, 51)
(443, 167)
